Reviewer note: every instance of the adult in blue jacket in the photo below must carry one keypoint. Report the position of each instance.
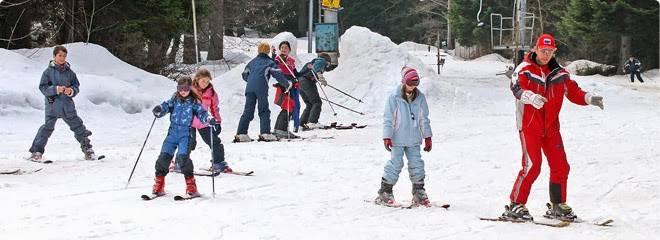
(405, 123)
(59, 85)
(257, 73)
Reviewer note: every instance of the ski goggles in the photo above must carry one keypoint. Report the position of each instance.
(183, 88)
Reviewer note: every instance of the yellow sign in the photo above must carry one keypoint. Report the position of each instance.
(331, 4)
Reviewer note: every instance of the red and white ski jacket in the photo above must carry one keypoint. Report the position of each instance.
(551, 81)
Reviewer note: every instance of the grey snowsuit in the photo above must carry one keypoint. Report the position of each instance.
(59, 106)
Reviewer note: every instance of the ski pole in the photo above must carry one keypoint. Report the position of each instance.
(344, 107)
(140, 154)
(359, 100)
(213, 158)
(321, 87)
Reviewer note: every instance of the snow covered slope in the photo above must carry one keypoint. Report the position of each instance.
(104, 79)
(320, 189)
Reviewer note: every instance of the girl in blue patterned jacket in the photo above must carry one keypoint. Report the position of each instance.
(182, 107)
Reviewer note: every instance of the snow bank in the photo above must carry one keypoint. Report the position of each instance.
(493, 57)
(293, 41)
(104, 79)
(369, 69)
(413, 46)
(582, 65)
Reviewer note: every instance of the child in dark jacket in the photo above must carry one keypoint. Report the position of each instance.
(59, 85)
(309, 76)
(183, 106)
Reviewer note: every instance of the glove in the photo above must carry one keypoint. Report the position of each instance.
(68, 91)
(427, 144)
(529, 97)
(157, 111)
(388, 144)
(322, 80)
(595, 100)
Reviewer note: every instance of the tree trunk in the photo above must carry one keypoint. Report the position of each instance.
(626, 45)
(302, 17)
(450, 40)
(216, 27)
(189, 49)
(156, 55)
(171, 58)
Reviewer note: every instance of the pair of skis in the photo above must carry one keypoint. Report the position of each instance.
(19, 171)
(208, 172)
(559, 224)
(411, 205)
(288, 139)
(149, 197)
(46, 161)
(334, 125)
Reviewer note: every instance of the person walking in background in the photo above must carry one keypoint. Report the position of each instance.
(634, 68)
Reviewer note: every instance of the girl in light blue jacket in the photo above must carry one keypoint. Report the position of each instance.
(405, 123)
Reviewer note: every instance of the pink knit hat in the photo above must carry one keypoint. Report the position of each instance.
(410, 76)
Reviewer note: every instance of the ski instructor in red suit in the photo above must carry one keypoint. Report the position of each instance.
(539, 84)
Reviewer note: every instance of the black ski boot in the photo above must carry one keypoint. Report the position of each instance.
(560, 211)
(516, 211)
(385, 195)
(419, 195)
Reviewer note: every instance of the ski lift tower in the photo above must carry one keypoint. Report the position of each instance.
(510, 33)
(327, 31)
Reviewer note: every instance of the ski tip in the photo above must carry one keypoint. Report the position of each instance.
(445, 206)
(605, 223)
(100, 157)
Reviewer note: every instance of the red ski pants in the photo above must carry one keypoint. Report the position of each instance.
(553, 147)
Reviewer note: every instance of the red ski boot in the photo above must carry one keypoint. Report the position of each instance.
(191, 187)
(159, 186)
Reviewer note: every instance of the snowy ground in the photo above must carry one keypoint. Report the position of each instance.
(317, 189)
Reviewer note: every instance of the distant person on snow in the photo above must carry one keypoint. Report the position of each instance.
(539, 85)
(202, 87)
(405, 125)
(182, 107)
(309, 76)
(59, 85)
(290, 103)
(634, 68)
(256, 74)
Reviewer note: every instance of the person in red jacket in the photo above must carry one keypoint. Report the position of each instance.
(539, 84)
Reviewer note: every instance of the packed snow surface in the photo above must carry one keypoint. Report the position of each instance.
(322, 188)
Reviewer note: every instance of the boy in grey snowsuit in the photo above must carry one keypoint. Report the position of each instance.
(59, 85)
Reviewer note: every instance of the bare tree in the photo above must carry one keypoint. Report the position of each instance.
(89, 25)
